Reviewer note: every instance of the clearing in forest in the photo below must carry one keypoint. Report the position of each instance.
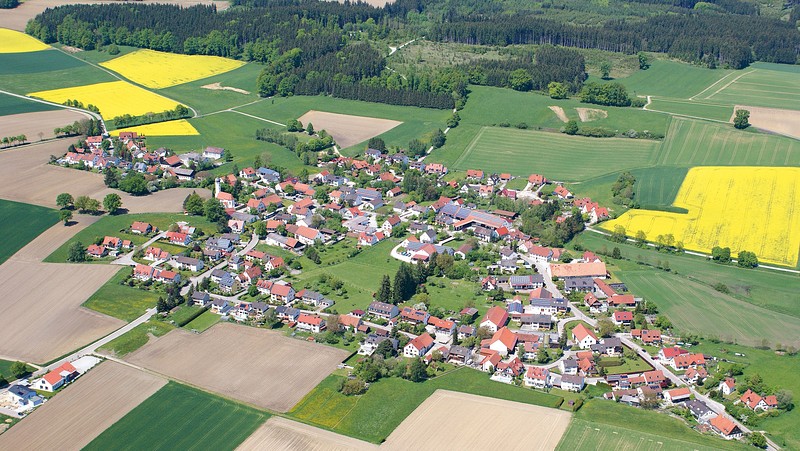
(158, 70)
(717, 200)
(345, 129)
(16, 42)
(114, 98)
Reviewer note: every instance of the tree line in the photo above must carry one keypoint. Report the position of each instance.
(126, 120)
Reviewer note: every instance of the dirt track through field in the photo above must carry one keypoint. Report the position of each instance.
(450, 420)
(17, 18)
(775, 120)
(27, 177)
(559, 112)
(42, 315)
(347, 130)
(256, 366)
(282, 434)
(83, 410)
(32, 124)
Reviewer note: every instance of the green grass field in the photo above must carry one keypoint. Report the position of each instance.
(37, 62)
(375, 414)
(121, 301)
(205, 101)
(203, 322)
(15, 105)
(25, 83)
(583, 435)
(116, 226)
(416, 121)
(689, 108)
(657, 187)
(136, 338)
(671, 79)
(181, 417)
(698, 143)
(20, 224)
(523, 152)
(5, 369)
(777, 371)
(762, 84)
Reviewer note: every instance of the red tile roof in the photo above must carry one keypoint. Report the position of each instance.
(497, 316)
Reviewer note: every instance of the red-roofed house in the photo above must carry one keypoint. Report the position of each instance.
(648, 336)
(53, 380)
(496, 317)
(756, 402)
(623, 318)
(536, 179)
(667, 354)
(725, 427)
(583, 337)
(312, 323)
(562, 192)
(96, 251)
(504, 341)
(181, 239)
(685, 361)
(537, 377)
(677, 395)
(727, 386)
(141, 228)
(418, 346)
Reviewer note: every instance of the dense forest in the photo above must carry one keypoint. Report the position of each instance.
(313, 47)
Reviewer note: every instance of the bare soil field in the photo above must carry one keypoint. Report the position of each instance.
(84, 409)
(42, 315)
(17, 18)
(591, 114)
(348, 130)
(257, 366)
(282, 434)
(775, 120)
(559, 112)
(218, 87)
(39, 125)
(450, 420)
(27, 177)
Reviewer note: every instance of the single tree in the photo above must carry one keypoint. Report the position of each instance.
(64, 200)
(76, 252)
(605, 327)
(193, 204)
(557, 90)
(416, 371)
(742, 119)
(385, 291)
(112, 202)
(19, 369)
(644, 61)
(571, 127)
(65, 216)
(310, 129)
(605, 69)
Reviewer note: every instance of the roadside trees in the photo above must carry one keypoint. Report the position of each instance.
(65, 216)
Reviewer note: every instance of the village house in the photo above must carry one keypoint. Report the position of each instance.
(677, 395)
(383, 310)
(648, 336)
(200, 298)
(725, 428)
(537, 377)
(182, 262)
(141, 228)
(496, 317)
(622, 318)
(54, 379)
(728, 386)
(583, 337)
(179, 238)
(418, 346)
(572, 383)
(312, 323)
(757, 402)
(414, 316)
(504, 341)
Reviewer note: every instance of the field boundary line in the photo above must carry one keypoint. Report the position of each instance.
(727, 85)
(256, 117)
(469, 148)
(711, 85)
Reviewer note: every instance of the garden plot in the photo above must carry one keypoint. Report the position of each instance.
(83, 410)
(345, 129)
(450, 420)
(256, 366)
(280, 433)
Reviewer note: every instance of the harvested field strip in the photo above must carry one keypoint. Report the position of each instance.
(698, 309)
(181, 127)
(282, 434)
(297, 366)
(16, 42)
(38, 125)
(716, 199)
(460, 421)
(36, 220)
(84, 409)
(114, 98)
(696, 143)
(158, 70)
(181, 417)
(553, 154)
(345, 129)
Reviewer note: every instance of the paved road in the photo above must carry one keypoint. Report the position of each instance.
(193, 281)
(127, 259)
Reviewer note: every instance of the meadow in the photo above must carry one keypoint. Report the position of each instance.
(375, 414)
(157, 70)
(180, 127)
(773, 290)
(523, 152)
(587, 435)
(699, 143)
(717, 198)
(181, 417)
(114, 98)
(680, 107)
(16, 42)
(416, 122)
(136, 338)
(35, 219)
(34, 62)
(15, 105)
(206, 101)
(202, 322)
(22, 73)
(121, 301)
(673, 79)
(762, 84)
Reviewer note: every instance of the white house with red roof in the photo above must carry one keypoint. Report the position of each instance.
(418, 346)
(141, 228)
(312, 323)
(728, 386)
(181, 239)
(538, 377)
(496, 317)
(53, 380)
(562, 192)
(143, 272)
(583, 336)
(677, 395)
(504, 341)
(623, 318)
(725, 427)
(668, 354)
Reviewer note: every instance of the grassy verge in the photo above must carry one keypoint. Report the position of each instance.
(136, 337)
(121, 301)
(203, 322)
(181, 417)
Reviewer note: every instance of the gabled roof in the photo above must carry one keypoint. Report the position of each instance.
(497, 316)
(423, 341)
(505, 336)
(723, 424)
(581, 331)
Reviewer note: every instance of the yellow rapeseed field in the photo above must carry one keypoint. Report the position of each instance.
(745, 208)
(114, 98)
(15, 42)
(158, 70)
(181, 127)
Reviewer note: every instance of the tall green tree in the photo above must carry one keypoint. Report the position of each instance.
(385, 291)
(64, 200)
(65, 216)
(741, 119)
(76, 252)
(193, 204)
(112, 202)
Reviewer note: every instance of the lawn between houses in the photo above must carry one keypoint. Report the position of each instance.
(181, 417)
(121, 301)
(375, 414)
(34, 218)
